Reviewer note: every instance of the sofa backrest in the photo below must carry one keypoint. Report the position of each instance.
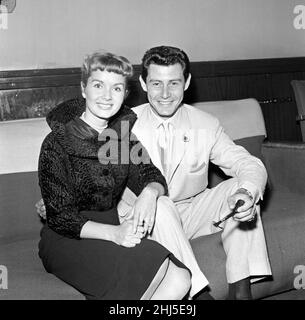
(244, 123)
(240, 118)
(20, 143)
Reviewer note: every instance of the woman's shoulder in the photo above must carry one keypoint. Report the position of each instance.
(50, 144)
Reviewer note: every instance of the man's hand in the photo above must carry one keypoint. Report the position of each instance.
(247, 211)
(144, 210)
(41, 209)
(124, 235)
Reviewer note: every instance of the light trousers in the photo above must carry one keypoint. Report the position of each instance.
(177, 223)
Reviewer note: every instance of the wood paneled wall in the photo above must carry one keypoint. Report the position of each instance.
(31, 93)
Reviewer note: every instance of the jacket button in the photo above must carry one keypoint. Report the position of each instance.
(105, 172)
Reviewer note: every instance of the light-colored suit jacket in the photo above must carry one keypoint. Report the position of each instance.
(198, 138)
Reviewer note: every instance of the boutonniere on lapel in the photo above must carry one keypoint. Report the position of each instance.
(186, 138)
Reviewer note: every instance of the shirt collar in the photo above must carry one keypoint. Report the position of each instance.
(175, 120)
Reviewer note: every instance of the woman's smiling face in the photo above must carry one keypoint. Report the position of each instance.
(104, 93)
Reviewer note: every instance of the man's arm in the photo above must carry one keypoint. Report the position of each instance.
(237, 162)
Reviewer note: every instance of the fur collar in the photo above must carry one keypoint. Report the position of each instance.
(86, 144)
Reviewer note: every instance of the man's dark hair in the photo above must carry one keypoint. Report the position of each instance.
(165, 56)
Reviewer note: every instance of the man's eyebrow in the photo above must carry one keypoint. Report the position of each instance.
(171, 80)
(176, 80)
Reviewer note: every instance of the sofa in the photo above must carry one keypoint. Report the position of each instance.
(283, 209)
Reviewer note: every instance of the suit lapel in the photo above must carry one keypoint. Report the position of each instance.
(180, 142)
(146, 131)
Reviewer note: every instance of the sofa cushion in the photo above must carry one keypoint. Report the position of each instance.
(27, 278)
(18, 194)
(284, 224)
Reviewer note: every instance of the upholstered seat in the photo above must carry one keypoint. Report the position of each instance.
(27, 279)
(283, 209)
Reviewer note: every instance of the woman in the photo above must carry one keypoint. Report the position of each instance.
(83, 242)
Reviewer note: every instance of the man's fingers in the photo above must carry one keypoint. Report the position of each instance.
(231, 202)
(242, 216)
(247, 215)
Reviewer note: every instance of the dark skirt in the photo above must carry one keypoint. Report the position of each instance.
(101, 269)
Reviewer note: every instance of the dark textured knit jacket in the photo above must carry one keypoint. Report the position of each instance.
(72, 177)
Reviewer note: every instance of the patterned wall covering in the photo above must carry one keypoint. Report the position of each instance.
(33, 103)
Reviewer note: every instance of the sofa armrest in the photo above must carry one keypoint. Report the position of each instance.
(285, 163)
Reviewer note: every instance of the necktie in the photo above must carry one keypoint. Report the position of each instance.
(165, 130)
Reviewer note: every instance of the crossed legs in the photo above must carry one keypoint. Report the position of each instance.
(170, 283)
(244, 243)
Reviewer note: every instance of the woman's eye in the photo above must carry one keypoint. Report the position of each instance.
(97, 85)
(117, 89)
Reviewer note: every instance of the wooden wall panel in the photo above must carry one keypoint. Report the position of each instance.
(31, 93)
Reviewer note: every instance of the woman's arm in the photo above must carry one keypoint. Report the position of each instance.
(57, 191)
(147, 182)
(62, 212)
(142, 172)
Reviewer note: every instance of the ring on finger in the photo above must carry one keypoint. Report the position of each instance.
(252, 218)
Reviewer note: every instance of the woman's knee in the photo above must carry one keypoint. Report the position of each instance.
(182, 284)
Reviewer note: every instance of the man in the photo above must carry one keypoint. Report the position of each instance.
(181, 141)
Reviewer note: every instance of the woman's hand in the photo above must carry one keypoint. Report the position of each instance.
(144, 209)
(124, 235)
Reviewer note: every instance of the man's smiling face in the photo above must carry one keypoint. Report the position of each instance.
(165, 86)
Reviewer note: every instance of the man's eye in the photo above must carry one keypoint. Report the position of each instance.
(175, 83)
(155, 84)
(97, 85)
